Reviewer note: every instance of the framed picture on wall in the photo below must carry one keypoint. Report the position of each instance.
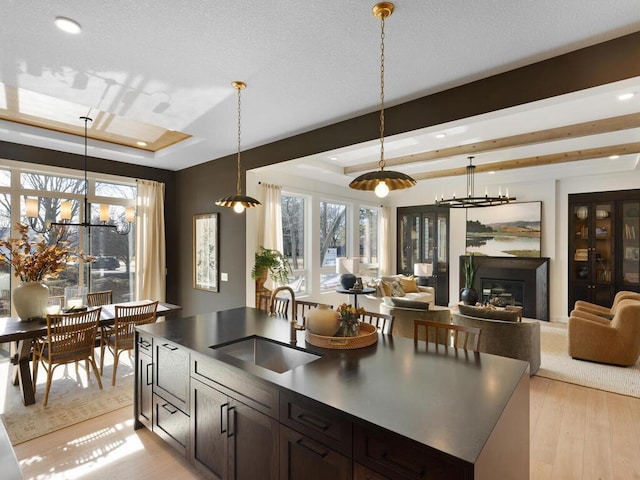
(205, 251)
(509, 230)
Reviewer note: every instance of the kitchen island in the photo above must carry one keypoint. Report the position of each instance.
(395, 409)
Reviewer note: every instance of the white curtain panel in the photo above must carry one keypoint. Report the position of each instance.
(150, 242)
(385, 242)
(271, 225)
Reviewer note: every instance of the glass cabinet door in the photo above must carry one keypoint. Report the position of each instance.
(579, 221)
(408, 241)
(630, 264)
(603, 253)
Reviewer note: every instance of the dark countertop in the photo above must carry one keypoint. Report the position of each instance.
(449, 399)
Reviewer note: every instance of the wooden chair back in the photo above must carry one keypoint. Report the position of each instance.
(382, 321)
(458, 336)
(302, 309)
(119, 338)
(280, 304)
(70, 337)
(97, 299)
(129, 316)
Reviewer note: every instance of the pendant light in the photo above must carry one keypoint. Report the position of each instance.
(238, 201)
(381, 181)
(471, 201)
(32, 206)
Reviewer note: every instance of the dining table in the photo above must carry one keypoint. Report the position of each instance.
(20, 335)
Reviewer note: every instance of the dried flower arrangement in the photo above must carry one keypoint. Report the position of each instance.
(349, 316)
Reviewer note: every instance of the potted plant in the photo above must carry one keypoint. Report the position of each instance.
(468, 295)
(270, 262)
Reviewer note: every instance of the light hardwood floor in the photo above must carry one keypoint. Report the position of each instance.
(576, 433)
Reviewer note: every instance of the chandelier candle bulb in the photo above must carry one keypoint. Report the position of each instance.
(104, 213)
(31, 205)
(65, 210)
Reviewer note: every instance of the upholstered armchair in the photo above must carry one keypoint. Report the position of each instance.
(601, 311)
(597, 339)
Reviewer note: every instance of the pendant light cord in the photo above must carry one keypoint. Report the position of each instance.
(239, 131)
(381, 163)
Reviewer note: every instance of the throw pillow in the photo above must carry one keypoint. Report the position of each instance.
(386, 288)
(396, 289)
(379, 289)
(408, 284)
(490, 313)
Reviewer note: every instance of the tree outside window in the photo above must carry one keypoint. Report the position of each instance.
(333, 241)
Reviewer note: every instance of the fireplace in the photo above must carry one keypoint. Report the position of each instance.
(521, 281)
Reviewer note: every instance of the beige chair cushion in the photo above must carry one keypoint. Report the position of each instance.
(495, 314)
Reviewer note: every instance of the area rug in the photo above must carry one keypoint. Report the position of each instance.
(71, 399)
(558, 365)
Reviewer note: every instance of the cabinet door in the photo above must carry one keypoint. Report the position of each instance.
(603, 253)
(209, 413)
(144, 389)
(172, 374)
(304, 458)
(408, 241)
(630, 240)
(253, 443)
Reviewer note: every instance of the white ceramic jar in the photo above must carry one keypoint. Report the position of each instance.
(323, 320)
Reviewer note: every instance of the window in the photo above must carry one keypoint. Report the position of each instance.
(293, 239)
(113, 268)
(368, 239)
(333, 242)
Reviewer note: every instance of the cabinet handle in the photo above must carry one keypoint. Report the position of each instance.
(169, 347)
(401, 464)
(170, 410)
(224, 419)
(313, 421)
(231, 421)
(144, 344)
(149, 375)
(312, 447)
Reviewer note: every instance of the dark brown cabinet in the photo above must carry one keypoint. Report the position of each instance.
(171, 373)
(303, 457)
(144, 385)
(423, 237)
(603, 246)
(209, 421)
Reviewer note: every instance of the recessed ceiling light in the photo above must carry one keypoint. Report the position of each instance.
(492, 172)
(333, 158)
(141, 144)
(626, 96)
(441, 135)
(614, 157)
(67, 25)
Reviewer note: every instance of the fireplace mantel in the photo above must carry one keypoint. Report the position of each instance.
(533, 271)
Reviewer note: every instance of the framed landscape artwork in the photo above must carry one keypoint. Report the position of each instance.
(509, 230)
(205, 252)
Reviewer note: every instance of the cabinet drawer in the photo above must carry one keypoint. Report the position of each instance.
(317, 421)
(145, 343)
(170, 423)
(236, 384)
(171, 373)
(397, 457)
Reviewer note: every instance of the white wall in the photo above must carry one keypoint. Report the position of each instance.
(552, 192)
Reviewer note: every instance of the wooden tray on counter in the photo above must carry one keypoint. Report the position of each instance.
(368, 336)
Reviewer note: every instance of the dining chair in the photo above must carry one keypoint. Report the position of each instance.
(449, 335)
(302, 309)
(382, 321)
(279, 305)
(70, 338)
(97, 299)
(120, 337)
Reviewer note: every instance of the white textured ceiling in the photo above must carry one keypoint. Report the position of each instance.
(307, 64)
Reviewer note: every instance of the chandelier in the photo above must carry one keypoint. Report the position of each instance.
(471, 200)
(32, 207)
(381, 181)
(238, 201)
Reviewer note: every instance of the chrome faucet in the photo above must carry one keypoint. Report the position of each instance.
(293, 322)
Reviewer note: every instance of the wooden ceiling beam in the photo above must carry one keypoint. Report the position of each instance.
(538, 161)
(606, 125)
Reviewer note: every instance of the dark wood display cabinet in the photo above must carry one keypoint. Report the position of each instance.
(603, 245)
(423, 237)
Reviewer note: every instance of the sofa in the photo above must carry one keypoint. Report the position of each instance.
(503, 334)
(402, 291)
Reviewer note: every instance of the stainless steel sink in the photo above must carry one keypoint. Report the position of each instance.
(269, 354)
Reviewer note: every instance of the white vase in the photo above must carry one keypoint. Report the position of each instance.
(322, 320)
(30, 300)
